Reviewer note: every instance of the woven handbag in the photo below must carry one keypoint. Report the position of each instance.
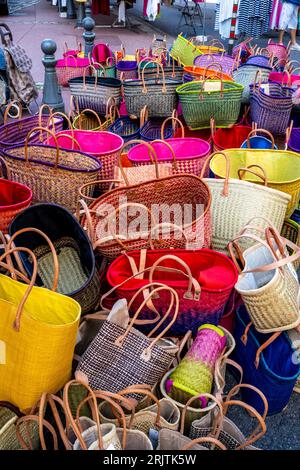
(163, 414)
(120, 356)
(210, 278)
(255, 141)
(271, 105)
(16, 131)
(70, 67)
(52, 174)
(93, 92)
(218, 425)
(227, 62)
(14, 198)
(291, 231)
(185, 50)
(231, 206)
(158, 94)
(175, 441)
(78, 277)
(201, 73)
(147, 196)
(127, 70)
(135, 175)
(272, 161)
(8, 435)
(268, 284)
(245, 75)
(202, 100)
(38, 330)
(109, 66)
(268, 362)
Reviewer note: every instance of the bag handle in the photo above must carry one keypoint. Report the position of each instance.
(146, 393)
(203, 440)
(262, 131)
(112, 60)
(199, 397)
(70, 56)
(94, 64)
(52, 400)
(219, 379)
(152, 153)
(58, 113)
(109, 398)
(44, 130)
(192, 282)
(288, 134)
(164, 88)
(172, 151)
(16, 323)
(267, 343)
(146, 354)
(88, 67)
(93, 183)
(173, 119)
(27, 419)
(143, 64)
(247, 169)
(237, 387)
(16, 104)
(90, 111)
(69, 414)
(256, 435)
(42, 108)
(225, 191)
(213, 64)
(51, 246)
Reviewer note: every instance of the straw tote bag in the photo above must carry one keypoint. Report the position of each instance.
(158, 94)
(235, 202)
(120, 356)
(173, 440)
(94, 92)
(53, 174)
(38, 330)
(268, 284)
(218, 425)
(146, 196)
(163, 414)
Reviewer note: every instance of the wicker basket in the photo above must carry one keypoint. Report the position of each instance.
(202, 100)
(52, 174)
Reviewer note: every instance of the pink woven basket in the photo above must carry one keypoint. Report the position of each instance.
(70, 67)
(103, 145)
(190, 152)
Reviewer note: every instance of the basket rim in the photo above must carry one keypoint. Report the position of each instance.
(26, 200)
(234, 86)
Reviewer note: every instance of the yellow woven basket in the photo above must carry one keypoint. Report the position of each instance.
(281, 167)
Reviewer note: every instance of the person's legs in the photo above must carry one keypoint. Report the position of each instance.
(288, 20)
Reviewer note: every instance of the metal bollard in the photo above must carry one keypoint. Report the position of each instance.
(51, 92)
(88, 35)
(88, 9)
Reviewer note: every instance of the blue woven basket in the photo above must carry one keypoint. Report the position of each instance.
(152, 128)
(126, 128)
(277, 371)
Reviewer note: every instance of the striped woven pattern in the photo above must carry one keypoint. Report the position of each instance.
(227, 218)
(170, 190)
(66, 72)
(113, 368)
(126, 128)
(198, 105)
(93, 93)
(151, 130)
(15, 132)
(226, 61)
(271, 110)
(159, 103)
(245, 75)
(49, 183)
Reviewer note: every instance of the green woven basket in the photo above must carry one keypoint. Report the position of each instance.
(203, 100)
(184, 51)
(291, 231)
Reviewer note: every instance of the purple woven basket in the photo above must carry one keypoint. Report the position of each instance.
(258, 60)
(128, 69)
(15, 132)
(294, 140)
(227, 62)
(271, 111)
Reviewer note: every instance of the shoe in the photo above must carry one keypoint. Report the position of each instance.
(295, 47)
